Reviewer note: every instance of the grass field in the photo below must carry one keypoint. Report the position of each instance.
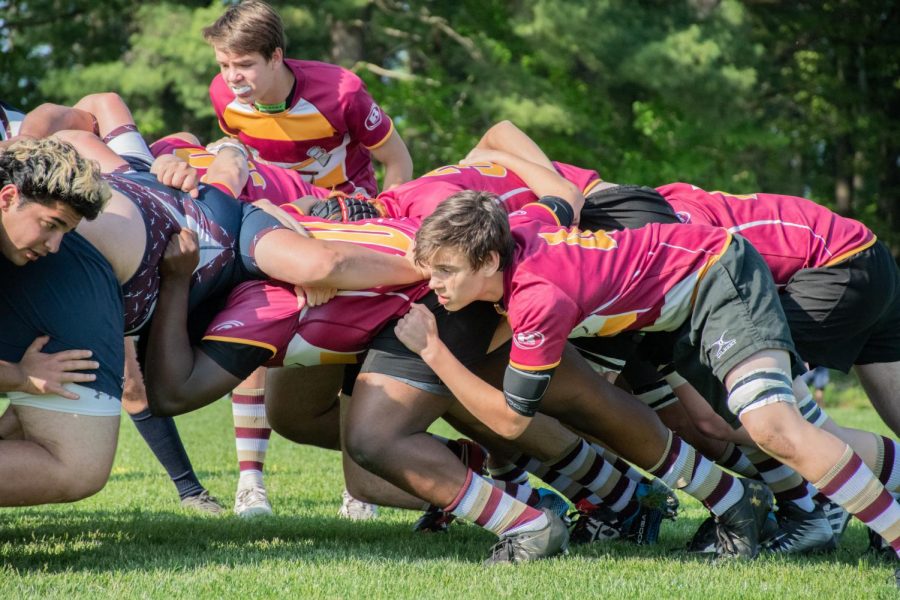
(132, 541)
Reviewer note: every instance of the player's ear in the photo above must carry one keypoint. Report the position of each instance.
(492, 265)
(8, 195)
(277, 56)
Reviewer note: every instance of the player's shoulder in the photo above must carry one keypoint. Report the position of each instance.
(317, 71)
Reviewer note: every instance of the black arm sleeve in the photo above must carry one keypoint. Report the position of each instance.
(561, 208)
(524, 390)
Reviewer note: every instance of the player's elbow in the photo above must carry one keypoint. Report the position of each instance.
(511, 429)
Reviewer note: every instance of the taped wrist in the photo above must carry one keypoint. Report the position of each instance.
(524, 390)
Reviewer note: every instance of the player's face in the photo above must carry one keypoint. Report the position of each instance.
(250, 76)
(454, 281)
(31, 230)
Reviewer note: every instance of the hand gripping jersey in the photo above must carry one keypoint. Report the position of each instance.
(228, 231)
(270, 315)
(564, 282)
(790, 233)
(266, 182)
(419, 197)
(326, 132)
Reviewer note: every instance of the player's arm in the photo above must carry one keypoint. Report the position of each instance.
(179, 378)
(506, 137)
(543, 181)
(500, 411)
(230, 167)
(393, 154)
(706, 420)
(40, 373)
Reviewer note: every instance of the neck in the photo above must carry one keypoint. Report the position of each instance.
(284, 81)
(493, 289)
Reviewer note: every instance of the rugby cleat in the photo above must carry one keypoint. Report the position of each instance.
(550, 540)
(801, 532)
(552, 501)
(356, 510)
(434, 520)
(658, 494)
(704, 540)
(252, 501)
(837, 517)
(203, 503)
(738, 528)
(598, 523)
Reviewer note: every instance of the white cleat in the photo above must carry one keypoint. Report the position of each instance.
(252, 501)
(356, 510)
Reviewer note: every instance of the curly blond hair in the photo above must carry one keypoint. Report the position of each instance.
(48, 171)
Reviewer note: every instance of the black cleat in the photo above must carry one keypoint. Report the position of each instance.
(434, 520)
(738, 529)
(600, 523)
(801, 532)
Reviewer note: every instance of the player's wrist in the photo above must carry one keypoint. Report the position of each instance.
(226, 147)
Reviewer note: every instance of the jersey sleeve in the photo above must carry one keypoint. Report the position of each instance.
(584, 179)
(365, 119)
(545, 212)
(541, 317)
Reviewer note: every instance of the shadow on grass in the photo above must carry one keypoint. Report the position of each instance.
(140, 540)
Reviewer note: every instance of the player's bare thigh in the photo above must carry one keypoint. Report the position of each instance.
(302, 404)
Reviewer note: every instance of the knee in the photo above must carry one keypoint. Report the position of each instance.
(780, 437)
(100, 102)
(81, 482)
(365, 447)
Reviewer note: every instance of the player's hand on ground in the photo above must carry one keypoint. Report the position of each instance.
(317, 296)
(417, 329)
(46, 373)
(176, 173)
(182, 255)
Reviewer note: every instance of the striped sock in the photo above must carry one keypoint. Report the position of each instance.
(811, 411)
(513, 480)
(852, 484)
(887, 462)
(572, 490)
(487, 506)
(785, 483)
(620, 464)
(736, 461)
(582, 463)
(682, 467)
(251, 431)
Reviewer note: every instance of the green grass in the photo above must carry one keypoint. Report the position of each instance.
(132, 540)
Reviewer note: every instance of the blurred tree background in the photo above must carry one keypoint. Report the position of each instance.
(790, 96)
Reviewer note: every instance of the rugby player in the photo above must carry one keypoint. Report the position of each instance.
(313, 117)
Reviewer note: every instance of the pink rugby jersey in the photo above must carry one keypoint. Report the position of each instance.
(326, 132)
(269, 314)
(266, 182)
(564, 282)
(418, 198)
(790, 233)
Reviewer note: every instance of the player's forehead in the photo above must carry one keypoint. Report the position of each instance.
(449, 256)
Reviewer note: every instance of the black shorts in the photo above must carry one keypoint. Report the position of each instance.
(737, 313)
(608, 354)
(848, 313)
(467, 334)
(625, 207)
(73, 297)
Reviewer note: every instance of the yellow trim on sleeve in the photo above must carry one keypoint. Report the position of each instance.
(548, 209)
(532, 367)
(842, 257)
(591, 186)
(234, 340)
(385, 138)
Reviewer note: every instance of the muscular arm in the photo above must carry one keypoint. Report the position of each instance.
(179, 378)
(506, 137)
(543, 181)
(229, 167)
(49, 118)
(398, 166)
(486, 403)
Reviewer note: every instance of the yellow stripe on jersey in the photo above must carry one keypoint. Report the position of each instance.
(234, 340)
(372, 234)
(521, 367)
(333, 358)
(842, 257)
(616, 324)
(284, 128)
(383, 140)
(590, 240)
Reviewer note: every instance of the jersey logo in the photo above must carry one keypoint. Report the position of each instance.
(318, 154)
(528, 340)
(684, 217)
(374, 118)
(228, 325)
(722, 345)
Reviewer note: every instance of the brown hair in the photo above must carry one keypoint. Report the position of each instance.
(48, 171)
(248, 27)
(473, 223)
